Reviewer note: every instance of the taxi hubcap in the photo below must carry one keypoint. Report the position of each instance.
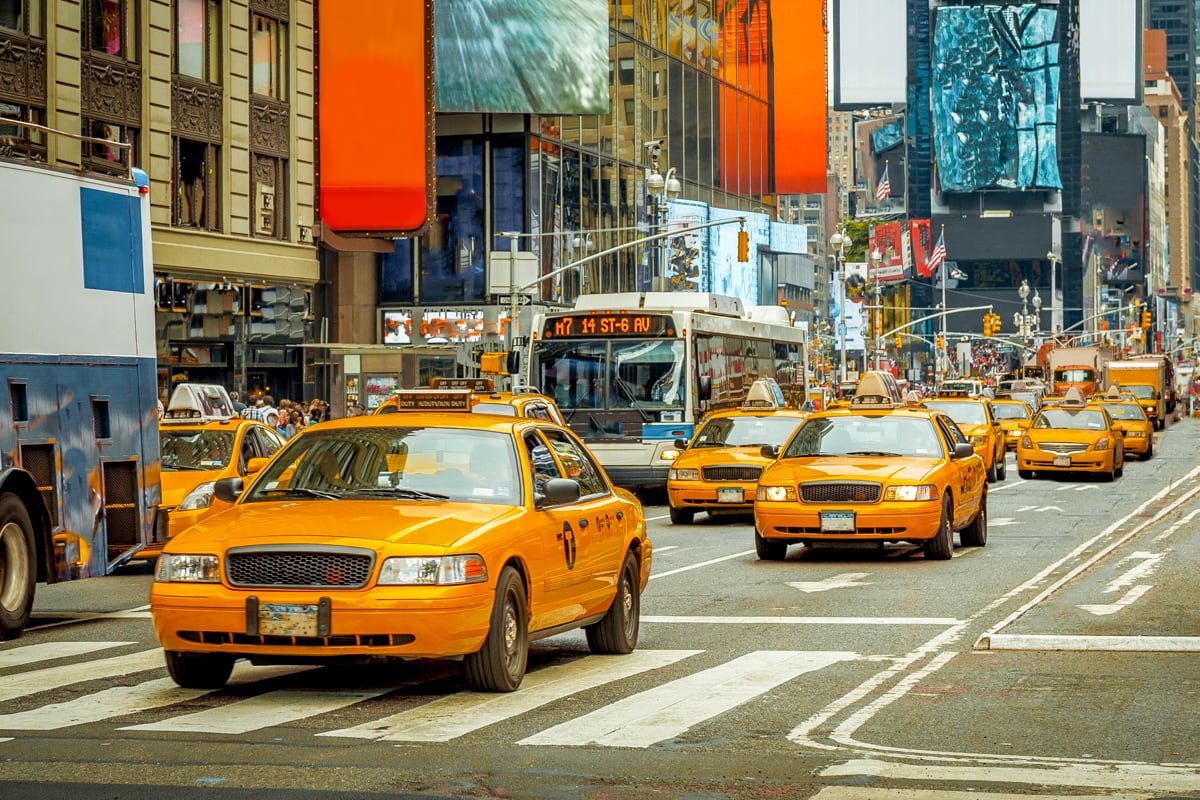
(510, 632)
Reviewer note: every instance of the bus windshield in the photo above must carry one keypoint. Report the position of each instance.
(635, 373)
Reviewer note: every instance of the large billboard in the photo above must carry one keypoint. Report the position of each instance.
(995, 97)
(798, 104)
(1110, 51)
(521, 56)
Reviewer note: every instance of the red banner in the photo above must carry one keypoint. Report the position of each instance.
(922, 246)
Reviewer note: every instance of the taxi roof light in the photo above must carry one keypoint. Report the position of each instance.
(198, 402)
(1073, 398)
(455, 400)
(877, 388)
(764, 395)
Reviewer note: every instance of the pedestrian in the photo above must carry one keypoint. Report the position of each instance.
(298, 420)
(316, 411)
(238, 405)
(284, 426)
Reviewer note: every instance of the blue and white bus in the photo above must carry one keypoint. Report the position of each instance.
(633, 372)
(79, 465)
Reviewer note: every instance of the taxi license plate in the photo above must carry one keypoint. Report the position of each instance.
(287, 620)
(837, 521)
(730, 494)
(1062, 461)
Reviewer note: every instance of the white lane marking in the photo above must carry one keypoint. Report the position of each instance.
(5, 739)
(262, 711)
(843, 581)
(1176, 526)
(855, 793)
(29, 654)
(42, 680)
(1149, 562)
(666, 711)
(459, 714)
(1105, 609)
(710, 562)
(1145, 644)
(1000, 522)
(120, 701)
(1130, 777)
(665, 548)
(943, 621)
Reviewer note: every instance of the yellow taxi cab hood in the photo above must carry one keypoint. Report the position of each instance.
(365, 523)
(865, 468)
(176, 484)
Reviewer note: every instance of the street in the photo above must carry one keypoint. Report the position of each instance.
(1057, 661)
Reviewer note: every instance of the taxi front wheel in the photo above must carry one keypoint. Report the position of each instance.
(617, 632)
(769, 549)
(499, 666)
(199, 670)
(941, 547)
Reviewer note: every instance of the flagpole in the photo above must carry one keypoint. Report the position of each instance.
(944, 354)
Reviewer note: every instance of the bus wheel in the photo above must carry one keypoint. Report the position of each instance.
(18, 566)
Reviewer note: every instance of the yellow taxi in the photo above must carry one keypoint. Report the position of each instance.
(1072, 436)
(974, 416)
(718, 470)
(200, 441)
(432, 532)
(884, 470)
(523, 401)
(1014, 417)
(1130, 418)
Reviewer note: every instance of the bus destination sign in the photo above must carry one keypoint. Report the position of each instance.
(615, 324)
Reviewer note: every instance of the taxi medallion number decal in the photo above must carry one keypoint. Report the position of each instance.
(730, 494)
(837, 521)
(287, 620)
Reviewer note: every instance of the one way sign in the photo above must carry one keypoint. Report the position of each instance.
(522, 299)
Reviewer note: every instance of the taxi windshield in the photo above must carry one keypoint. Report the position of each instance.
(910, 437)
(193, 449)
(746, 431)
(394, 463)
(1010, 411)
(1071, 419)
(1124, 410)
(962, 412)
(1140, 391)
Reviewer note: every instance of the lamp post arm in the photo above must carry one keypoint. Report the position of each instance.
(940, 314)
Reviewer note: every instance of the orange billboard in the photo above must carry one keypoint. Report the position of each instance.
(375, 115)
(798, 101)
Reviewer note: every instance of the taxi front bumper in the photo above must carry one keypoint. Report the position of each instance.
(1049, 461)
(883, 522)
(712, 496)
(382, 621)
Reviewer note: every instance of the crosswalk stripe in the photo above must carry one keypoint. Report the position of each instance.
(668, 710)
(47, 651)
(121, 701)
(42, 680)
(262, 711)
(457, 715)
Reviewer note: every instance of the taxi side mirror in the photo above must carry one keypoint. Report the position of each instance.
(1024, 424)
(255, 465)
(770, 451)
(230, 489)
(962, 450)
(559, 492)
(681, 444)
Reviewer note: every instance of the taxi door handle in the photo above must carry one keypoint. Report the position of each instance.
(620, 515)
(583, 523)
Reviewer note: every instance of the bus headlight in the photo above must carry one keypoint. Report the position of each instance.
(683, 474)
(173, 568)
(776, 494)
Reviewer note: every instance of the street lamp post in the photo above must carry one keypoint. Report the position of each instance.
(838, 242)
(876, 308)
(661, 189)
(1055, 321)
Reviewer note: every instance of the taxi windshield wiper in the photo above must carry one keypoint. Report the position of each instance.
(398, 491)
(305, 490)
(187, 468)
(874, 453)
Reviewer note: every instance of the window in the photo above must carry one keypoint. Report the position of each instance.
(106, 157)
(195, 170)
(268, 53)
(198, 39)
(17, 139)
(24, 16)
(270, 196)
(107, 27)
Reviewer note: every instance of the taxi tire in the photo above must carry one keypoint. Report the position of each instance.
(499, 666)
(617, 633)
(769, 549)
(1149, 454)
(18, 566)
(199, 670)
(941, 547)
(1002, 471)
(993, 473)
(975, 534)
(682, 516)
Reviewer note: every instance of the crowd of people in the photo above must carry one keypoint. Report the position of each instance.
(288, 418)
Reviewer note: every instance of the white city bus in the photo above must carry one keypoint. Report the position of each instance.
(633, 372)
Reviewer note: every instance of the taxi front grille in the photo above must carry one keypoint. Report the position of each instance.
(731, 473)
(1063, 447)
(300, 567)
(235, 638)
(841, 492)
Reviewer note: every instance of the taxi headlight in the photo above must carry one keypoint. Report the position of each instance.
(776, 494)
(1026, 442)
(1102, 444)
(1015, 432)
(683, 474)
(911, 493)
(198, 498)
(977, 440)
(432, 570)
(173, 568)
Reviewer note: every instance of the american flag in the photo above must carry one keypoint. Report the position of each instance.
(883, 189)
(938, 256)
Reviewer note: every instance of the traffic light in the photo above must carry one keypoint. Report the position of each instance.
(1145, 319)
(899, 341)
(995, 323)
(941, 343)
(743, 246)
(987, 324)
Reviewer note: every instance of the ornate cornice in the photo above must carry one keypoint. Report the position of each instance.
(112, 90)
(23, 69)
(196, 109)
(269, 127)
(274, 8)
